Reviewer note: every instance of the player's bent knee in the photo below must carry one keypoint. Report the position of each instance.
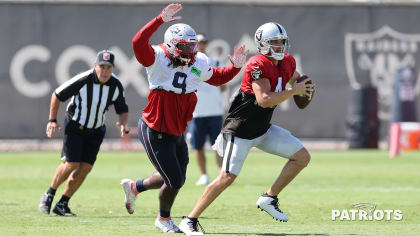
(72, 165)
(305, 158)
(178, 184)
(227, 179)
(85, 171)
(302, 157)
(85, 168)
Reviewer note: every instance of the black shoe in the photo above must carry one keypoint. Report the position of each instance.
(62, 209)
(45, 203)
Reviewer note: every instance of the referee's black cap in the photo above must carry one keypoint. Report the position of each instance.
(105, 57)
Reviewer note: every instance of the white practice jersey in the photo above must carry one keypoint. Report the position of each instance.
(209, 98)
(182, 79)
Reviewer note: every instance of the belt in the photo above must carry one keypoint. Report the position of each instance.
(84, 128)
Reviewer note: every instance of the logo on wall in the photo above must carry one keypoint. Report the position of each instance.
(130, 71)
(372, 59)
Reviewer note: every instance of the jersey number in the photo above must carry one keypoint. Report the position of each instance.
(179, 76)
(279, 86)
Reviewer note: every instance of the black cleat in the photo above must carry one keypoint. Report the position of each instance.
(45, 203)
(62, 209)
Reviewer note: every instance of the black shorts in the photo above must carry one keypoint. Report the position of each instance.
(81, 144)
(201, 127)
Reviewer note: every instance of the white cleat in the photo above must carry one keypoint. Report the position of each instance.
(130, 197)
(189, 227)
(203, 180)
(166, 225)
(270, 205)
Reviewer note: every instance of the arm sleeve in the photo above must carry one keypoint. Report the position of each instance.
(70, 88)
(141, 46)
(222, 75)
(120, 104)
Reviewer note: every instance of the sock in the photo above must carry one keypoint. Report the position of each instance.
(51, 191)
(164, 214)
(193, 219)
(267, 195)
(139, 186)
(134, 188)
(64, 199)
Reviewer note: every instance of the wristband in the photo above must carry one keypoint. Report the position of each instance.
(52, 120)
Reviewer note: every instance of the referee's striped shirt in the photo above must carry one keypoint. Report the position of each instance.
(91, 99)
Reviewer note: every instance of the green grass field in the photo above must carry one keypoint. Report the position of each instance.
(333, 180)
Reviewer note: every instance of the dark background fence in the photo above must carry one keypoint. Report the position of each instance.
(343, 48)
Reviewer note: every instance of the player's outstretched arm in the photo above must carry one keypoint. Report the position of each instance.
(222, 75)
(141, 46)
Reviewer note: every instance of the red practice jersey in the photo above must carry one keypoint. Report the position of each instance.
(260, 66)
(246, 119)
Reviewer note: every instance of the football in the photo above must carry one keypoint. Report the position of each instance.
(303, 101)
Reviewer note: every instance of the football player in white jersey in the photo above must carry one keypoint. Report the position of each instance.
(174, 70)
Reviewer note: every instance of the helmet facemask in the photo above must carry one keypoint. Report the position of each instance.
(181, 41)
(277, 51)
(185, 51)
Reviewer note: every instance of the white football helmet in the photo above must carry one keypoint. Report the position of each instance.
(271, 31)
(181, 41)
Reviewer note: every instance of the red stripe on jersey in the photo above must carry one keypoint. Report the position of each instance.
(259, 66)
(165, 50)
(169, 112)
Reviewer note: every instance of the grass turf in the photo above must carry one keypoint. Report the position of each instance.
(333, 180)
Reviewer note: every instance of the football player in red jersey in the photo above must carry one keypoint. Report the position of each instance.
(174, 71)
(248, 125)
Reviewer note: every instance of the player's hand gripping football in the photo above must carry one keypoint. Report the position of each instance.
(124, 130)
(239, 56)
(303, 88)
(168, 13)
(52, 127)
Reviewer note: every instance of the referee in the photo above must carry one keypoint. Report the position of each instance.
(91, 92)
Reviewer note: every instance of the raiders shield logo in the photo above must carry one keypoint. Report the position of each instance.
(256, 74)
(372, 59)
(258, 35)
